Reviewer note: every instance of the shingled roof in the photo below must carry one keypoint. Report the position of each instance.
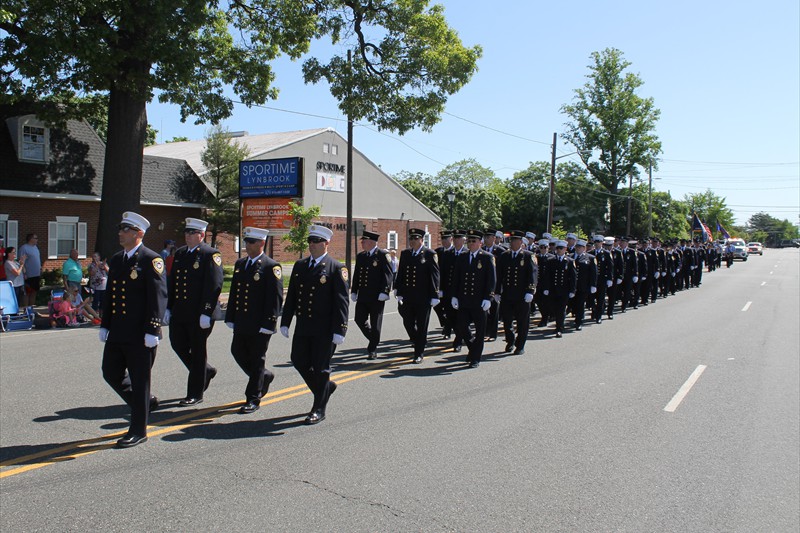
(75, 167)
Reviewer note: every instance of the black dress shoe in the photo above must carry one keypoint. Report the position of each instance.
(598, 321)
(509, 347)
(611, 317)
(558, 334)
(187, 402)
(578, 327)
(474, 364)
(153, 403)
(211, 374)
(491, 339)
(249, 407)
(417, 359)
(519, 351)
(457, 349)
(315, 417)
(130, 440)
(372, 355)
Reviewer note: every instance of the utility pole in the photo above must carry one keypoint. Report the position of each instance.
(650, 200)
(630, 200)
(551, 202)
(349, 225)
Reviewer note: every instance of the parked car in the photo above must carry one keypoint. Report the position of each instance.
(755, 248)
(787, 243)
(740, 249)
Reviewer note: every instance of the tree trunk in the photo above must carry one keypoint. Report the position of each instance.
(122, 172)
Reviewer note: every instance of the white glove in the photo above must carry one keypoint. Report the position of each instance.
(285, 331)
(353, 296)
(434, 302)
(229, 324)
(382, 297)
(619, 281)
(546, 292)
(167, 316)
(151, 341)
(673, 274)
(571, 295)
(265, 331)
(693, 267)
(609, 283)
(528, 298)
(497, 298)
(338, 339)
(440, 294)
(636, 279)
(103, 334)
(656, 274)
(485, 305)
(664, 274)
(454, 302)
(205, 321)
(644, 278)
(399, 299)
(593, 289)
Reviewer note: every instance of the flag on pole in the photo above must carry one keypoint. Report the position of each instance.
(699, 227)
(724, 233)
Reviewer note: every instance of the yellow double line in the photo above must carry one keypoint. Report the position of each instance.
(74, 450)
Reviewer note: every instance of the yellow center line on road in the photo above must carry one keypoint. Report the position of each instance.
(94, 445)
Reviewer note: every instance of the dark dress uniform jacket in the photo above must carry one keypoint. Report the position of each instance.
(195, 283)
(447, 266)
(631, 267)
(318, 297)
(418, 276)
(136, 296)
(474, 282)
(372, 275)
(605, 265)
(256, 295)
(515, 276)
(586, 272)
(561, 279)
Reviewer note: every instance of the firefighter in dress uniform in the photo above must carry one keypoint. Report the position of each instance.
(318, 298)
(370, 288)
(254, 306)
(131, 323)
(417, 290)
(194, 285)
(586, 284)
(441, 308)
(471, 294)
(516, 284)
(605, 277)
(560, 284)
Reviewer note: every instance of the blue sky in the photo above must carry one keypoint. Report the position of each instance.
(725, 75)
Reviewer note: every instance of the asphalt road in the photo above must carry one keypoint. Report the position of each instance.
(571, 436)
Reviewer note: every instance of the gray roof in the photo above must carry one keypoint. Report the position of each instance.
(258, 145)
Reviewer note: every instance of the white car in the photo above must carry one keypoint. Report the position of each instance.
(740, 249)
(755, 248)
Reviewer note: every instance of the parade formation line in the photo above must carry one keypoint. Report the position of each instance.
(75, 450)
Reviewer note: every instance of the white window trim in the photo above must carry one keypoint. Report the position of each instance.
(392, 236)
(32, 121)
(11, 237)
(52, 237)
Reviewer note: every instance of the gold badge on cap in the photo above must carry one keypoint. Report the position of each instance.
(158, 265)
(217, 258)
(277, 272)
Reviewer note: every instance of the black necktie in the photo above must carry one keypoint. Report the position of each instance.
(312, 264)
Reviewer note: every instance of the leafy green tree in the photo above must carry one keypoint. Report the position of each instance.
(612, 127)
(711, 209)
(221, 158)
(302, 217)
(769, 230)
(192, 52)
(525, 206)
(178, 139)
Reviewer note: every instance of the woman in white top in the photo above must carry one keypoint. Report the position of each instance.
(14, 273)
(98, 277)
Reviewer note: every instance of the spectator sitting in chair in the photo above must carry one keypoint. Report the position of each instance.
(72, 272)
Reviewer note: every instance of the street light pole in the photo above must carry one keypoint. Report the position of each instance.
(650, 201)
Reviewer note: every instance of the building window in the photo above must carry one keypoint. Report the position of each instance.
(391, 240)
(8, 231)
(65, 234)
(326, 148)
(33, 143)
(335, 149)
(426, 240)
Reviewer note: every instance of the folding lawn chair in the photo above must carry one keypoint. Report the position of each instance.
(12, 318)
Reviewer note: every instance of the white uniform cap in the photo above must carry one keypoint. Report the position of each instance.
(608, 240)
(552, 240)
(561, 243)
(256, 233)
(597, 238)
(525, 241)
(572, 236)
(136, 220)
(196, 223)
(580, 242)
(320, 231)
(499, 235)
(544, 242)
(530, 235)
(547, 235)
